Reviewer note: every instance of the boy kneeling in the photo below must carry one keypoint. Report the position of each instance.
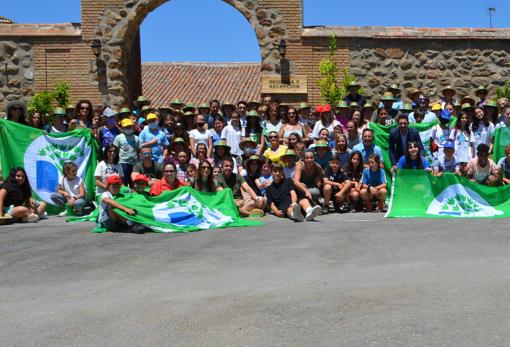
(282, 198)
(108, 218)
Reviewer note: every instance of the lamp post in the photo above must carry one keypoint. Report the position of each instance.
(96, 48)
(284, 63)
(491, 11)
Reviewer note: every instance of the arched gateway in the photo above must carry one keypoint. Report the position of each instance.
(118, 30)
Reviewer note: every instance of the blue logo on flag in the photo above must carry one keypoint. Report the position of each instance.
(47, 176)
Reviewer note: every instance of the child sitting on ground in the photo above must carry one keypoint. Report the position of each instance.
(336, 184)
(282, 197)
(70, 190)
(265, 179)
(447, 162)
(373, 183)
(108, 218)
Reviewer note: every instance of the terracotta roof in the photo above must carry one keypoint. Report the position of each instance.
(200, 82)
(5, 20)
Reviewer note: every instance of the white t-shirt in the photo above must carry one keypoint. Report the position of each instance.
(319, 126)
(233, 137)
(483, 134)
(200, 136)
(105, 170)
(103, 207)
(71, 187)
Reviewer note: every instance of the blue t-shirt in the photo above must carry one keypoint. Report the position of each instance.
(157, 149)
(414, 163)
(372, 178)
(366, 152)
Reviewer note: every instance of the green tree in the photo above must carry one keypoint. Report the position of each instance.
(503, 92)
(41, 102)
(61, 94)
(330, 90)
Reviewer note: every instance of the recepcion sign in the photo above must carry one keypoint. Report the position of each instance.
(272, 84)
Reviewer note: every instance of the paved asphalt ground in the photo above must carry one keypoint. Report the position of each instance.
(347, 280)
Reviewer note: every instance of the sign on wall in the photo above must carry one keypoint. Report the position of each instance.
(272, 84)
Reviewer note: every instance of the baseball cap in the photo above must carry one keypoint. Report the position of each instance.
(113, 180)
(141, 177)
(151, 116)
(126, 122)
(449, 144)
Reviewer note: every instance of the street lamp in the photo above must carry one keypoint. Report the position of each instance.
(96, 47)
(282, 48)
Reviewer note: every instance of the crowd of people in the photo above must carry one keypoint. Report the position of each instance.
(293, 161)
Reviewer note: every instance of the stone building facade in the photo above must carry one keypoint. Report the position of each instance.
(34, 57)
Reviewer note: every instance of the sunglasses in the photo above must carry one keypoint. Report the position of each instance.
(169, 171)
(273, 137)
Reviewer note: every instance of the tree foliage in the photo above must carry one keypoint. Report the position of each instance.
(44, 102)
(503, 92)
(331, 91)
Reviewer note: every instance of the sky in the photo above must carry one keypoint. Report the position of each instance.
(213, 31)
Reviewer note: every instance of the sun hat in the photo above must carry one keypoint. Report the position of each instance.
(388, 96)
(124, 110)
(407, 107)
(467, 106)
(395, 87)
(411, 93)
(321, 144)
(469, 100)
(369, 105)
(354, 104)
(481, 89)
(449, 87)
(252, 113)
(222, 143)
(290, 153)
(245, 142)
(189, 106)
(176, 102)
(59, 111)
(326, 108)
(252, 157)
(204, 105)
(303, 105)
(142, 100)
(342, 104)
(354, 84)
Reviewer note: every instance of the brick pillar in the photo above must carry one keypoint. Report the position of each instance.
(91, 11)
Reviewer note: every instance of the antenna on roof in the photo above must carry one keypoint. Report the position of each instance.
(491, 10)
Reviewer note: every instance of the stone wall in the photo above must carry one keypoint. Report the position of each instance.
(17, 72)
(429, 65)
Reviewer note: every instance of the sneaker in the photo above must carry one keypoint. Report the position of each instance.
(296, 213)
(63, 213)
(44, 215)
(31, 218)
(324, 210)
(314, 212)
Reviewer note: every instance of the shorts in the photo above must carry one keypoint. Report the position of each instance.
(112, 225)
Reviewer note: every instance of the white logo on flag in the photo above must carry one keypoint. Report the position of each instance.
(459, 201)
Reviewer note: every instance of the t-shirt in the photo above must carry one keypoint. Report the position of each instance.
(103, 207)
(319, 126)
(157, 149)
(105, 170)
(504, 164)
(233, 182)
(72, 187)
(463, 142)
(251, 182)
(233, 137)
(337, 177)
(128, 148)
(279, 193)
(366, 152)
(324, 161)
(402, 163)
(443, 165)
(162, 185)
(275, 156)
(372, 178)
(200, 136)
(480, 174)
(263, 179)
(155, 171)
(483, 134)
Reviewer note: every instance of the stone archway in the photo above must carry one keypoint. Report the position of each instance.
(118, 28)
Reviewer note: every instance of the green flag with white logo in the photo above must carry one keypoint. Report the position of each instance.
(382, 135)
(417, 193)
(184, 210)
(43, 156)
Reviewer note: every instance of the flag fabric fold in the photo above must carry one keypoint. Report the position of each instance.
(184, 210)
(501, 140)
(419, 194)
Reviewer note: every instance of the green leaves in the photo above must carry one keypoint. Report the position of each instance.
(461, 203)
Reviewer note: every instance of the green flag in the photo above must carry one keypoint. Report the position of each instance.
(382, 135)
(184, 210)
(501, 138)
(43, 156)
(419, 194)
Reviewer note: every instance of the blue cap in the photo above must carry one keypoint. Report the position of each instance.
(445, 114)
(449, 144)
